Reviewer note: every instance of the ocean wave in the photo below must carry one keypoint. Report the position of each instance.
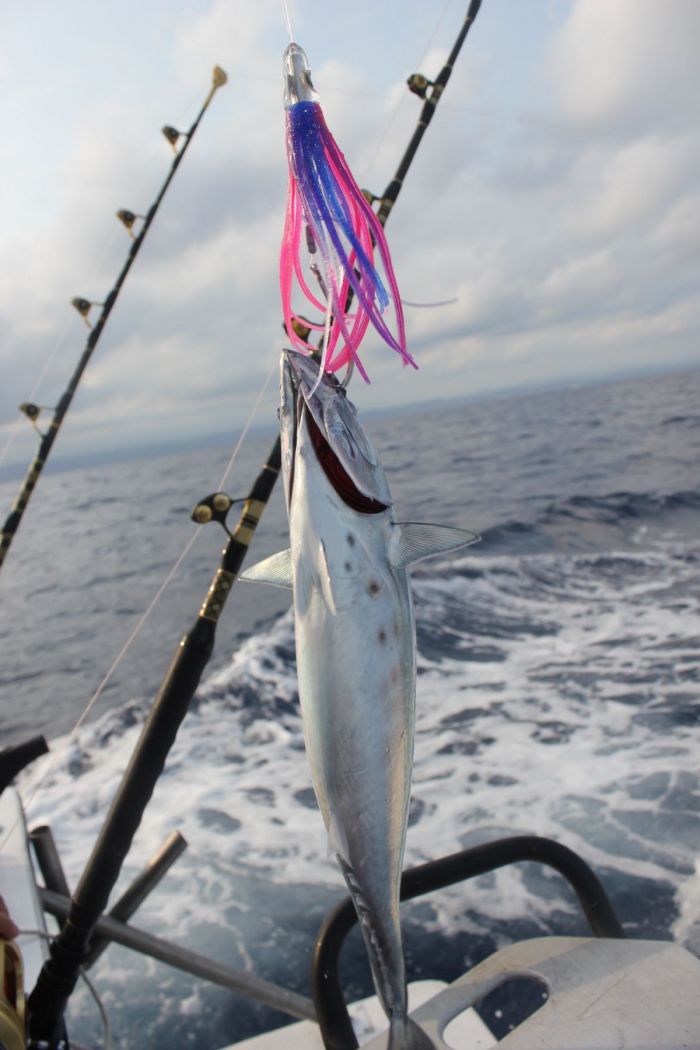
(615, 507)
(557, 694)
(594, 678)
(594, 522)
(686, 420)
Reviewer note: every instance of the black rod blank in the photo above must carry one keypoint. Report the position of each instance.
(19, 506)
(59, 974)
(68, 951)
(48, 859)
(436, 89)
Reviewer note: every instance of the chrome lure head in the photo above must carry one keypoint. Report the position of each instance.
(298, 86)
(340, 445)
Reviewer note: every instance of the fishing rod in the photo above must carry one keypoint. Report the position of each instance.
(431, 91)
(59, 974)
(128, 218)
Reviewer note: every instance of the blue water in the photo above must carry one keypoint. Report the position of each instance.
(558, 693)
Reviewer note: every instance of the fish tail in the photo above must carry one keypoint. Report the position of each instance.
(405, 1034)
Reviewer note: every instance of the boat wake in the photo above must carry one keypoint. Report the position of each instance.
(557, 694)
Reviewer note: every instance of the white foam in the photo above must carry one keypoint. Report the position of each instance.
(567, 727)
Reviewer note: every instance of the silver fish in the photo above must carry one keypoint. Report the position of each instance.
(356, 659)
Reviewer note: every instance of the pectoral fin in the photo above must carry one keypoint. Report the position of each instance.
(276, 570)
(417, 540)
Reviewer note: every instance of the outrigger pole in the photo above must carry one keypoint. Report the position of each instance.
(59, 974)
(128, 218)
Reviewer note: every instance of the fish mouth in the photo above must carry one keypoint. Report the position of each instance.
(342, 450)
(338, 477)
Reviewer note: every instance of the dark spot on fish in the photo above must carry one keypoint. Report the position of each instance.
(347, 566)
(373, 587)
(381, 635)
(351, 539)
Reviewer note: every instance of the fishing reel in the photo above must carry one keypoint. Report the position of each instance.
(12, 1002)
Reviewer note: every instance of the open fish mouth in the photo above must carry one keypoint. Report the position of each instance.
(342, 449)
(338, 476)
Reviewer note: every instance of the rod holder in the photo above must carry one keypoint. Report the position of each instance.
(146, 881)
(48, 859)
(183, 958)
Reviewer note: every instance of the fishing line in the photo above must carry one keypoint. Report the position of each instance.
(429, 306)
(30, 397)
(249, 421)
(385, 132)
(289, 24)
(60, 753)
(310, 156)
(53, 757)
(94, 265)
(490, 114)
(389, 124)
(10, 440)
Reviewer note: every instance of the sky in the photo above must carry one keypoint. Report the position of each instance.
(555, 196)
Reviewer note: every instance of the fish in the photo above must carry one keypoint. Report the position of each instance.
(356, 653)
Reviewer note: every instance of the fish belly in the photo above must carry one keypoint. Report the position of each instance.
(356, 667)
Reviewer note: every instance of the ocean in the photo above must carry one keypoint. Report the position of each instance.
(558, 693)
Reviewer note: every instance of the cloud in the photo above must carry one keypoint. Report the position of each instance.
(677, 235)
(236, 34)
(628, 66)
(628, 185)
(555, 195)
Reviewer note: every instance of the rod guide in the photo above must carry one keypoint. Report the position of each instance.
(419, 84)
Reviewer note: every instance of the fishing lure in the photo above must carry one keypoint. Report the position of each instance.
(328, 215)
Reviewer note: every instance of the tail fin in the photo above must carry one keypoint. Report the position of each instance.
(405, 1034)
